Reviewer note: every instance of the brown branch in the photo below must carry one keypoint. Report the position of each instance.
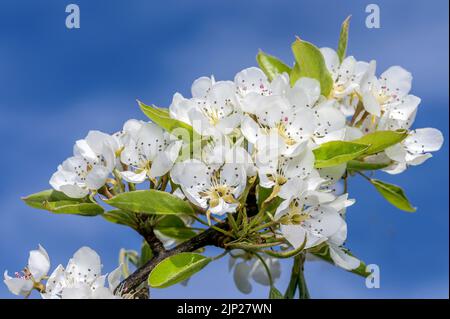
(209, 237)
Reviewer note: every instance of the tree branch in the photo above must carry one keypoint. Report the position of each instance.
(209, 237)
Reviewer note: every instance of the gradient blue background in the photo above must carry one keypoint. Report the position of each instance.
(56, 84)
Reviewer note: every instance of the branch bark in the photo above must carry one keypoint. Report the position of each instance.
(209, 237)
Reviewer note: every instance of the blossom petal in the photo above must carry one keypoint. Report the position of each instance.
(424, 140)
(164, 161)
(18, 286)
(201, 87)
(134, 177)
(371, 104)
(38, 263)
(241, 276)
(96, 177)
(85, 266)
(343, 259)
(396, 80)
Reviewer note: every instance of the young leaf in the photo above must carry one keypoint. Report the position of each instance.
(58, 203)
(337, 152)
(310, 63)
(172, 226)
(161, 117)
(176, 268)
(380, 140)
(150, 202)
(121, 217)
(355, 165)
(394, 195)
(271, 65)
(146, 254)
(343, 39)
(274, 293)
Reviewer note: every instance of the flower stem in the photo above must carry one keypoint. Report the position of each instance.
(302, 287)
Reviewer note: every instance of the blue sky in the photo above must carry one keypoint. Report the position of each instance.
(57, 84)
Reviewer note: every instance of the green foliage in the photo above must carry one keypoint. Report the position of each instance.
(58, 203)
(343, 40)
(274, 293)
(394, 195)
(121, 217)
(146, 254)
(161, 118)
(310, 63)
(150, 202)
(174, 227)
(337, 152)
(380, 140)
(271, 65)
(355, 165)
(176, 268)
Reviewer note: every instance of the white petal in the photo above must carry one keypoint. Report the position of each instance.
(133, 177)
(405, 109)
(114, 278)
(79, 292)
(324, 221)
(342, 259)
(62, 177)
(250, 129)
(331, 60)
(55, 284)
(396, 152)
(201, 87)
(241, 276)
(84, 266)
(395, 168)
(397, 80)
(371, 104)
(164, 161)
(424, 140)
(38, 263)
(294, 234)
(252, 80)
(96, 177)
(18, 286)
(74, 191)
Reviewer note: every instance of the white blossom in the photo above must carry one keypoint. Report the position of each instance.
(31, 276)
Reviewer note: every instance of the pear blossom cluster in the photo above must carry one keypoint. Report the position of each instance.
(80, 279)
(253, 133)
(254, 127)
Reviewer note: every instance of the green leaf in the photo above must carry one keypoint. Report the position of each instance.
(343, 39)
(271, 65)
(380, 140)
(172, 226)
(337, 152)
(121, 217)
(161, 117)
(146, 254)
(323, 252)
(150, 202)
(263, 196)
(58, 203)
(310, 63)
(176, 268)
(355, 165)
(393, 194)
(275, 293)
